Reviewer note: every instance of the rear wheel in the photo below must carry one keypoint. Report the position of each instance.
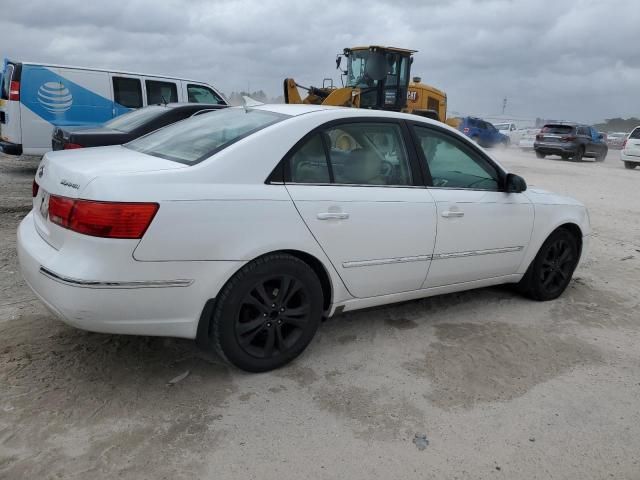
(267, 314)
(551, 270)
(630, 165)
(601, 156)
(540, 155)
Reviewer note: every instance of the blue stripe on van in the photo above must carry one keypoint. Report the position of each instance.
(61, 102)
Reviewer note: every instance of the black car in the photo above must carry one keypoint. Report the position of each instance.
(126, 127)
(570, 141)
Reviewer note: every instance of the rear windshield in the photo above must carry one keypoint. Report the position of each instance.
(132, 120)
(557, 129)
(635, 133)
(199, 137)
(6, 81)
(502, 126)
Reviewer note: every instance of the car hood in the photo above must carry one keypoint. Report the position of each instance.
(68, 172)
(544, 197)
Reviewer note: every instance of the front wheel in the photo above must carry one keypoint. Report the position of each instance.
(551, 270)
(601, 156)
(540, 155)
(267, 314)
(629, 165)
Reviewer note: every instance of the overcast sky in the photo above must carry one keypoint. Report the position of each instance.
(575, 60)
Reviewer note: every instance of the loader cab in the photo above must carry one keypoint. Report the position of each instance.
(381, 74)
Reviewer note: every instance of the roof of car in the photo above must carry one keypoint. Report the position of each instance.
(189, 105)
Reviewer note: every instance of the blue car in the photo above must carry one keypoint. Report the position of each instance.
(483, 133)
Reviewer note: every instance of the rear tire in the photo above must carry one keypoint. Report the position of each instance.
(551, 270)
(540, 155)
(630, 165)
(267, 314)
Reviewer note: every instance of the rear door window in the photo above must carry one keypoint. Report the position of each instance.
(161, 92)
(202, 94)
(127, 92)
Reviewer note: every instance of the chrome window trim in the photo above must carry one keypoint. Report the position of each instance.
(76, 282)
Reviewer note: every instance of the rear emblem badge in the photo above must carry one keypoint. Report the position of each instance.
(67, 183)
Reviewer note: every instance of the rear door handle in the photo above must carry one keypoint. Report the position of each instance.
(333, 216)
(452, 214)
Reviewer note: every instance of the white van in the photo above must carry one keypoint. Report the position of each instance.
(36, 97)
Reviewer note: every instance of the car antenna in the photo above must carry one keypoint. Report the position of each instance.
(249, 102)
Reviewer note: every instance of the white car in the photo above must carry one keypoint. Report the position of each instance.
(510, 130)
(630, 153)
(527, 138)
(242, 228)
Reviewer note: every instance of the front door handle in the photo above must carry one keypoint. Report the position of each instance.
(452, 214)
(333, 216)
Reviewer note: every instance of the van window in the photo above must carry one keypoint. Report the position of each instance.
(202, 94)
(127, 92)
(161, 92)
(6, 81)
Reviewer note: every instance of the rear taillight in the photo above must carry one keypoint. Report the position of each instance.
(14, 90)
(569, 138)
(465, 130)
(624, 144)
(72, 146)
(34, 188)
(539, 136)
(102, 219)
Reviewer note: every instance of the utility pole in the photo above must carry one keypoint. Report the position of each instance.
(504, 104)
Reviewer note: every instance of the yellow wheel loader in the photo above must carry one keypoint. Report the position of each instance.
(375, 78)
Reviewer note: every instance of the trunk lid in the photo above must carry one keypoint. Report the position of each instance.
(69, 172)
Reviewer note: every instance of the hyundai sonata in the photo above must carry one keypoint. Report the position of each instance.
(243, 228)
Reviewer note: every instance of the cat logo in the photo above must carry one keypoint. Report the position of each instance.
(412, 96)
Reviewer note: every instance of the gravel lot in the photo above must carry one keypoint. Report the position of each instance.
(503, 387)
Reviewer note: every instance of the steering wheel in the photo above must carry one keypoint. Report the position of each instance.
(439, 182)
(386, 168)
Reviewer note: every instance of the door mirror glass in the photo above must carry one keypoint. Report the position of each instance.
(515, 183)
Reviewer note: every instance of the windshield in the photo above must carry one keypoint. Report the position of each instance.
(199, 137)
(557, 129)
(356, 69)
(501, 126)
(132, 120)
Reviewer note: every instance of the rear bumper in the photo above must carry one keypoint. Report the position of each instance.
(157, 298)
(555, 149)
(10, 148)
(629, 158)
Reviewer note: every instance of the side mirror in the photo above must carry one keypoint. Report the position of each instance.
(338, 61)
(514, 183)
(600, 137)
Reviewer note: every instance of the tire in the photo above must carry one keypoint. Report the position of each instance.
(540, 155)
(551, 270)
(267, 313)
(630, 165)
(565, 157)
(602, 156)
(577, 157)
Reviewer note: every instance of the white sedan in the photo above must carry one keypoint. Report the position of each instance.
(243, 228)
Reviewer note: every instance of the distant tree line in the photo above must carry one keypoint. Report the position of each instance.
(618, 124)
(236, 97)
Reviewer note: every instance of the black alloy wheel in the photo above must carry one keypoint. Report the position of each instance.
(551, 270)
(267, 313)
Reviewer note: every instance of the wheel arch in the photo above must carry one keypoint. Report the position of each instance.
(202, 334)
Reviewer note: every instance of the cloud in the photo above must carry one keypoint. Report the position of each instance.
(573, 60)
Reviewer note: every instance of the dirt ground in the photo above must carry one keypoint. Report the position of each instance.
(503, 387)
